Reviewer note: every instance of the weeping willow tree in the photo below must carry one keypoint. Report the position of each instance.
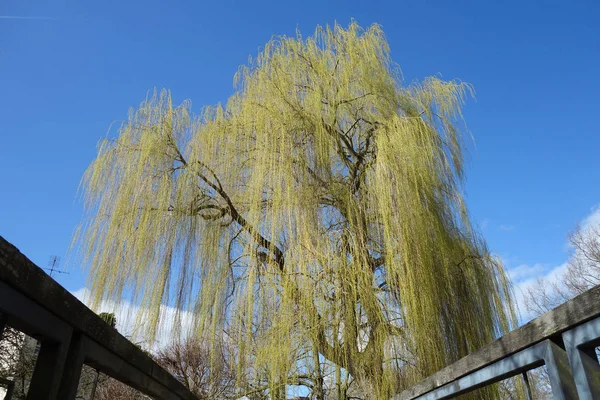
(316, 217)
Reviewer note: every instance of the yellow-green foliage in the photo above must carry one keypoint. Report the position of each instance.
(320, 209)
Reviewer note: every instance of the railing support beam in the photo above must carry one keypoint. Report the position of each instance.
(72, 370)
(561, 377)
(48, 370)
(3, 323)
(54, 335)
(580, 343)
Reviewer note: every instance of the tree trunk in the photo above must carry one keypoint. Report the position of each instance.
(319, 392)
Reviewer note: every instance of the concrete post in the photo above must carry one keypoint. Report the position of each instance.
(73, 367)
(48, 370)
(561, 377)
(580, 343)
(3, 320)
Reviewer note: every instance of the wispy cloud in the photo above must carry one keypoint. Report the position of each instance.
(507, 228)
(591, 220)
(25, 17)
(484, 224)
(524, 272)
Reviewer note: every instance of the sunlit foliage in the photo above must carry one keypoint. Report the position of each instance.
(317, 217)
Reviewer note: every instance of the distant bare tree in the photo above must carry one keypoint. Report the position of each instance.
(17, 360)
(191, 363)
(512, 388)
(112, 389)
(582, 273)
(10, 343)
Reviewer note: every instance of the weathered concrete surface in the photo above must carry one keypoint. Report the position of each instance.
(548, 326)
(17, 271)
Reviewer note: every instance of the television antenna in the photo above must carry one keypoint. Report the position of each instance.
(53, 264)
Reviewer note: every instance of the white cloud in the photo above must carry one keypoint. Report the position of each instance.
(507, 227)
(591, 220)
(127, 323)
(525, 272)
(485, 223)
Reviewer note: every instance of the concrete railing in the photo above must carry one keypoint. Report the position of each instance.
(71, 335)
(563, 339)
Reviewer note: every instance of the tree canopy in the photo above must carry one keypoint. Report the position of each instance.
(316, 218)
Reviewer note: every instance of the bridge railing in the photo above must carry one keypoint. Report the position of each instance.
(563, 339)
(71, 335)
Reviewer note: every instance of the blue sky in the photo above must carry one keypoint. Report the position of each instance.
(76, 67)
